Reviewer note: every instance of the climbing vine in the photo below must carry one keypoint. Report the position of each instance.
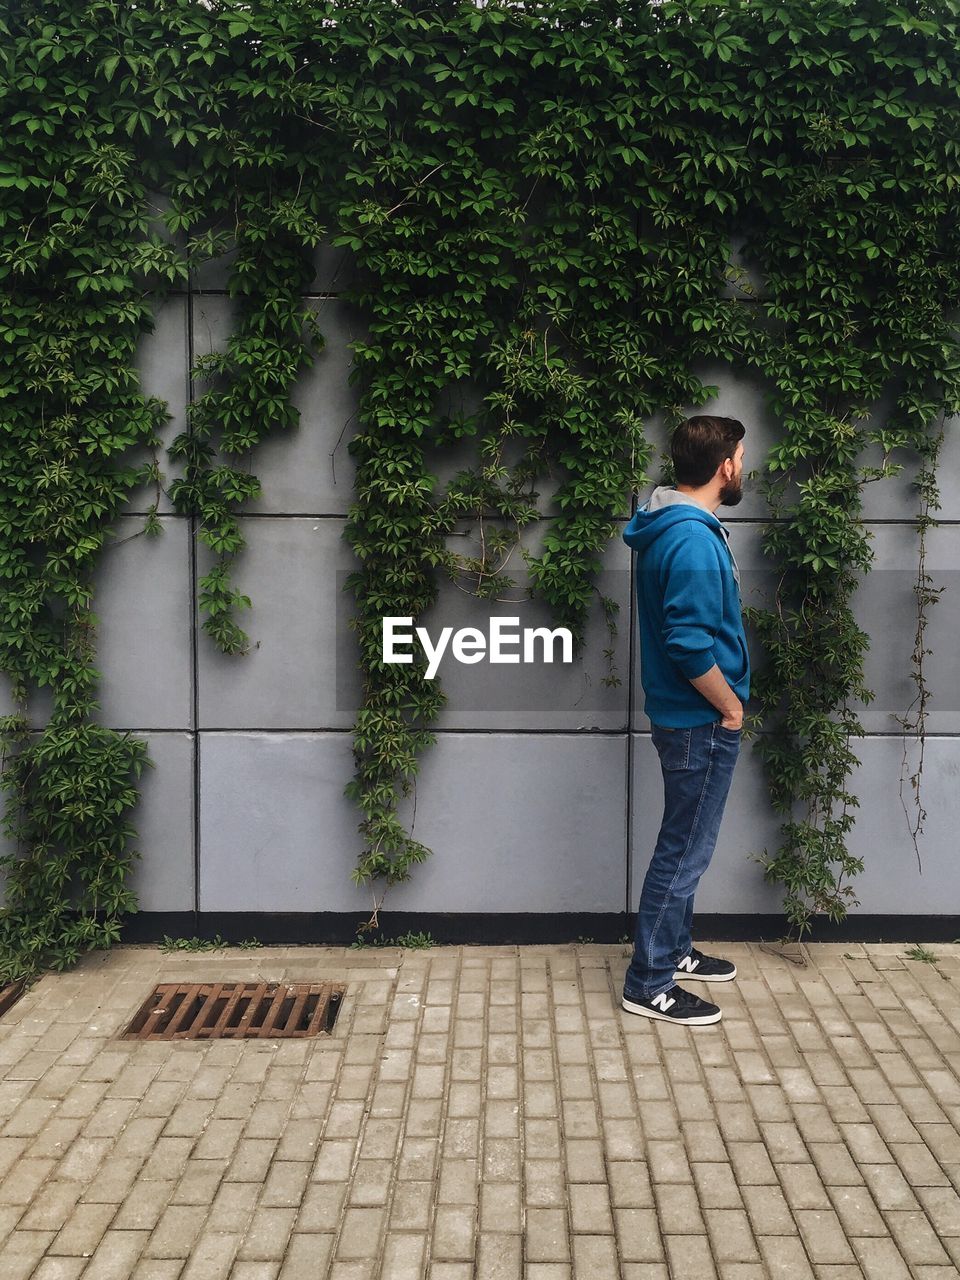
(926, 594)
(538, 201)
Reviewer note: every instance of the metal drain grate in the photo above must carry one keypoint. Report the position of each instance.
(10, 993)
(236, 1010)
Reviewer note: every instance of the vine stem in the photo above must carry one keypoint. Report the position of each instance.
(928, 497)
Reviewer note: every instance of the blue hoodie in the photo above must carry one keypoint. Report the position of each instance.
(688, 598)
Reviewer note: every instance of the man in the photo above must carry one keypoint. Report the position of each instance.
(695, 671)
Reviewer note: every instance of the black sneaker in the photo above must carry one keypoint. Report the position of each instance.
(675, 1005)
(704, 968)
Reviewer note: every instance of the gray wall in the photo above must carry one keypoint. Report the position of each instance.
(541, 795)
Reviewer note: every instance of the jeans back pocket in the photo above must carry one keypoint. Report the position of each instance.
(673, 745)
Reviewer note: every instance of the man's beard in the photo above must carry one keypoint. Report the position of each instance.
(732, 492)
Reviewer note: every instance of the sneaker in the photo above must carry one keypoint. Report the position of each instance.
(704, 968)
(675, 1005)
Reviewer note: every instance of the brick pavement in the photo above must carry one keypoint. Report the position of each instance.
(489, 1113)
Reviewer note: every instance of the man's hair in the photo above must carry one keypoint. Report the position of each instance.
(700, 444)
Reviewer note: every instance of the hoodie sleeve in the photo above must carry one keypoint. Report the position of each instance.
(692, 604)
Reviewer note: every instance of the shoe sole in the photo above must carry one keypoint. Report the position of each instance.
(704, 977)
(698, 1020)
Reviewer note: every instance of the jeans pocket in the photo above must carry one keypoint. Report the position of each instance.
(673, 746)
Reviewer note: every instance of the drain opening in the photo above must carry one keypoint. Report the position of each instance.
(236, 1010)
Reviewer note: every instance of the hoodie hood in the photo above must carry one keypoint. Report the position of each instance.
(666, 507)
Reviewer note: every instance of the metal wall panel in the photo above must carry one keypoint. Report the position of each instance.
(893, 882)
(516, 822)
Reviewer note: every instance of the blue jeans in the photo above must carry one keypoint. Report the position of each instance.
(697, 766)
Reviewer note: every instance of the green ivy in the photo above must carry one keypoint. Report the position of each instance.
(539, 202)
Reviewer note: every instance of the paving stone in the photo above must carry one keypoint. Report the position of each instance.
(751, 1164)
(22, 1251)
(500, 1207)
(333, 1163)
(880, 1259)
(176, 1231)
(59, 1268)
(918, 1165)
(546, 1236)
(835, 1166)
(285, 1183)
(461, 1138)
(250, 1163)
(307, 1256)
(590, 1212)
(595, 1256)
(629, 1183)
(585, 1162)
(23, 1182)
(784, 1142)
(768, 1210)
(144, 1206)
(212, 1258)
(233, 1206)
(638, 1235)
(716, 1186)
(246, 1270)
(50, 1211)
(703, 1140)
(668, 1162)
(542, 1139)
(942, 1206)
(738, 1123)
(915, 1238)
(82, 1231)
(424, 1117)
(857, 1211)
(865, 1143)
(942, 1140)
(267, 1234)
(457, 1183)
(802, 1186)
(452, 1271)
(678, 1209)
(500, 1257)
(501, 1160)
(412, 1206)
(690, 1256)
(731, 1238)
(785, 1258)
(823, 1236)
(454, 1230)
(55, 1137)
(888, 1186)
(199, 1182)
(544, 1183)
(404, 1257)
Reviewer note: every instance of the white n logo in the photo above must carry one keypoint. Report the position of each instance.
(687, 963)
(663, 1002)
